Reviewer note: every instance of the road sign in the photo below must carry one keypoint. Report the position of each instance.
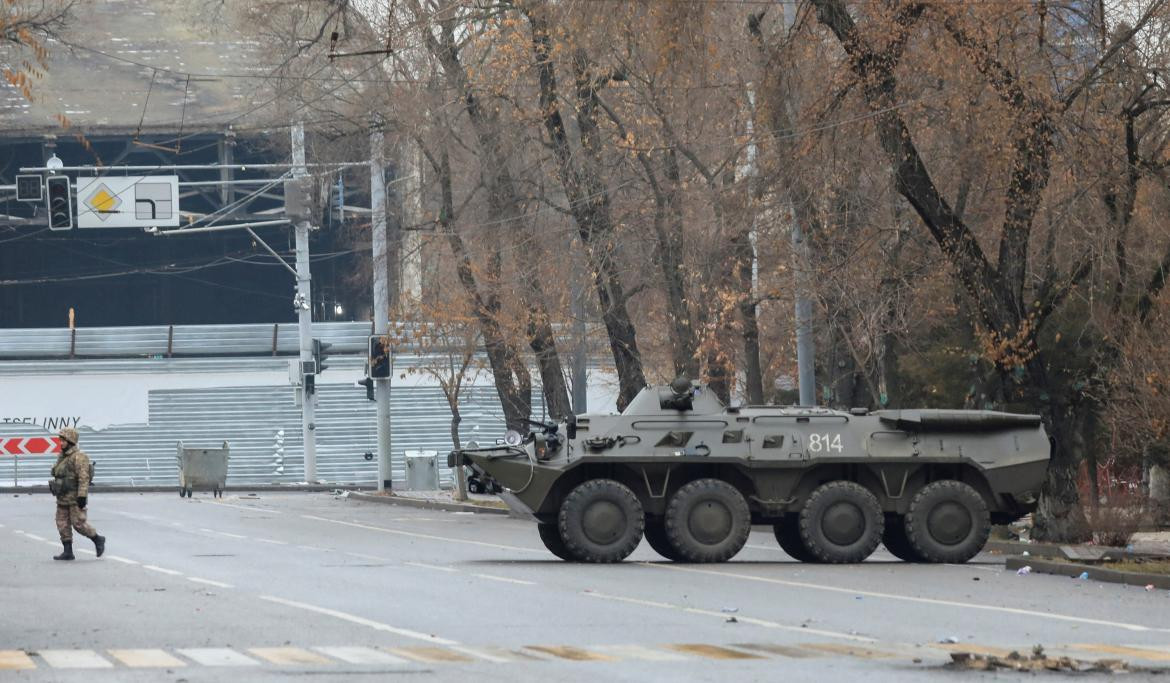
(29, 445)
(30, 188)
(128, 202)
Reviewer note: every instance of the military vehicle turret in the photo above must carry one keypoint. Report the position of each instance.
(692, 476)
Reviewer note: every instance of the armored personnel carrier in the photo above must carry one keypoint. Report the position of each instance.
(692, 476)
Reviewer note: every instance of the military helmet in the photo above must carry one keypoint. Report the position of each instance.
(68, 434)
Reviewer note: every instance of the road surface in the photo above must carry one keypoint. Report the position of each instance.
(281, 585)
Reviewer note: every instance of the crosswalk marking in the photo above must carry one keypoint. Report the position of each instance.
(647, 654)
(712, 651)
(782, 650)
(360, 655)
(146, 658)
(571, 653)
(852, 651)
(74, 659)
(217, 656)
(455, 654)
(500, 655)
(1138, 652)
(288, 655)
(430, 655)
(13, 660)
(975, 649)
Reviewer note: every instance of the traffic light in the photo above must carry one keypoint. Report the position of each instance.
(59, 203)
(369, 385)
(379, 357)
(319, 355)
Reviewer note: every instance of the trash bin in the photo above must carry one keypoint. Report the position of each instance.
(202, 468)
(422, 471)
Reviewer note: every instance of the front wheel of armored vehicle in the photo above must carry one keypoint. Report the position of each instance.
(708, 520)
(601, 521)
(787, 535)
(841, 522)
(896, 542)
(947, 522)
(550, 535)
(655, 534)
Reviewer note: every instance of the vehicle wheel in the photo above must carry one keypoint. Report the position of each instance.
(947, 522)
(895, 540)
(551, 537)
(708, 521)
(601, 521)
(841, 522)
(656, 535)
(788, 536)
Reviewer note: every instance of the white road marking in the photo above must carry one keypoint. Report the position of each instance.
(484, 654)
(153, 568)
(80, 550)
(355, 619)
(217, 656)
(505, 579)
(424, 565)
(146, 658)
(209, 582)
(908, 598)
(75, 659)
(739, 617)
(288, 655)
(35, 537)
(251, 508)
(360, 655)
(272, 541)
(119, 558)
(429, 537)
(637, 652)
(762, 547)
(224, 533)
(310, 547)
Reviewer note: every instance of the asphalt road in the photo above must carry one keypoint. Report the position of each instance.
(270, 586)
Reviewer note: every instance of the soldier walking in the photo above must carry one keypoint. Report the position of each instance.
(71, 475)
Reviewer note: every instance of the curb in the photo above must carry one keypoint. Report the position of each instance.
(173, 488)
(426, 504)
(1015, 548)
(1095, 573)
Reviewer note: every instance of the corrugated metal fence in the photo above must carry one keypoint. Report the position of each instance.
(262, 424)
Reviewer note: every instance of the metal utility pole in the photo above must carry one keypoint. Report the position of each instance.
(580, 347)
(805, 349)
(296, 200)
(381, 294)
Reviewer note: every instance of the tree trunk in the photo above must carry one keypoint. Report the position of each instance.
(589, 200)
(1059, 517)
(460, 473)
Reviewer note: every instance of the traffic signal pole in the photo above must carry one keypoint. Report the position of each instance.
(304, 304)
(381, 294)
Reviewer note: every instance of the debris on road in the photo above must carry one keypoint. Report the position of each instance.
(949, 639)
(1084, 576)
(1038, 661)
(1024, 571)
(730, 610)
(732, 620)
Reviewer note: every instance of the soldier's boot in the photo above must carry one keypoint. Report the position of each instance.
(99, 544)
(66, 554)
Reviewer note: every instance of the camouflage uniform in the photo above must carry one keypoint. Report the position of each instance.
(71, 476)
